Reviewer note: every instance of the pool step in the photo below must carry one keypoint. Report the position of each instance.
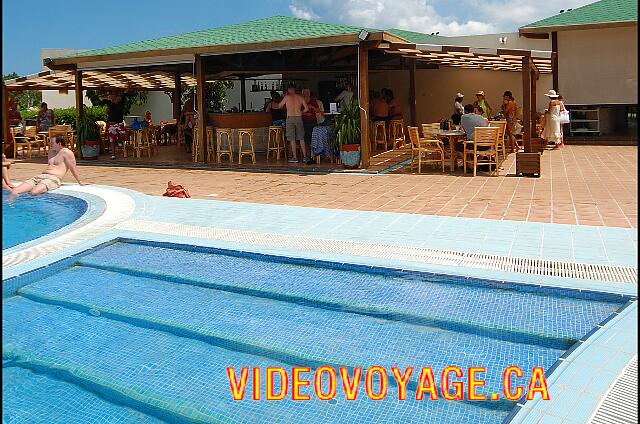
(529, 317)
(177, 379)
(29, 397)
(290, 333)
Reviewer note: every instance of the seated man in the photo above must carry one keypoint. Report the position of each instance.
(61, 160)
(469, 121)
(6, 182)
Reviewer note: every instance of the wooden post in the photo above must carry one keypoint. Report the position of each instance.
(554, 59)
(177, 96)
(363, 98)
(526, 103)
(6, 132)
(201, 107)
(243, 95)
(534, 102)
(79, 105)
(78, 91)
(412, 92)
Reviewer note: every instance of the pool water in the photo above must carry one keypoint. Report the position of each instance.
(30, 217)
(143, 332)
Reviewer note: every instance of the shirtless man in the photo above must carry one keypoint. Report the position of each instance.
(61, 160)
(295, 105)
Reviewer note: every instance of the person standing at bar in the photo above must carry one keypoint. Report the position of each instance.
(115, 124)
(345, 97)
(482, 102)
(458, 109)
(296, 106)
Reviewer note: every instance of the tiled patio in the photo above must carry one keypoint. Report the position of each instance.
(587, 185)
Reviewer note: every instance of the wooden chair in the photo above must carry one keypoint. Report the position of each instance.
(424, 147)
(224, 144)
(143, 142)
(380, 134)
(396, 133)
(483, 137)
(244, 150)
(31, 132)
(502, 125)
(275, 143)
(196, 144)
(21, 143)
(211, 146)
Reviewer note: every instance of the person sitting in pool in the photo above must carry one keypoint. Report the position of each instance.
(61, 160)
(6, 182)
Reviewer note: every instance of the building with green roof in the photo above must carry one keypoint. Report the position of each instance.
(596, 69)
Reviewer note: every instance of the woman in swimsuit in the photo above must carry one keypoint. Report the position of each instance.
(60, 161)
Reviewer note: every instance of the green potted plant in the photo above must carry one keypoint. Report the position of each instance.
(88, 135)
(348, 134)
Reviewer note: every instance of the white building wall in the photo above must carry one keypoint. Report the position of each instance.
(598, 66)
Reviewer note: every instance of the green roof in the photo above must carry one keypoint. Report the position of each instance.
(603, 11)
(276, 28)
(416, 37)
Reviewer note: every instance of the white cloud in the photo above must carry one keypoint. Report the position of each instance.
(449, 18)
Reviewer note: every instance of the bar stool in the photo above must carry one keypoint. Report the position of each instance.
(396, 133)
(223, 134)
(276, 142)
(195, 144)
(380, 134)
(249, 133)
(211, 147)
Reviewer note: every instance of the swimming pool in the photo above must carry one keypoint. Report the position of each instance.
(31, 217)
(143, 332)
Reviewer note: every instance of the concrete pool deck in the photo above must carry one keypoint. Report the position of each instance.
(388, 238)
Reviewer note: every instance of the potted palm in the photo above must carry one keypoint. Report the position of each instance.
(348, 134)
(88, 136)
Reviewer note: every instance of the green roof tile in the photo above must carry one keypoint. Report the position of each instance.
(417, 37)
(276, 28)
(603, 11)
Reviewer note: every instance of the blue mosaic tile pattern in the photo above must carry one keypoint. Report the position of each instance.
(410, 299)
(27, 398)
(182, 380)
(240, 322)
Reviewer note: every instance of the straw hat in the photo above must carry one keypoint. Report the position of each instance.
(459, 95)
(480, 93)
(552, 94)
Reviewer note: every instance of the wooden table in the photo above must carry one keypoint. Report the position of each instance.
(454, 137)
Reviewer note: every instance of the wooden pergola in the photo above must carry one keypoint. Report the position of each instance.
(173, 69)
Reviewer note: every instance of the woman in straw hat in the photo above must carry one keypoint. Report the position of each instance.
(481, 102)
(552, 132)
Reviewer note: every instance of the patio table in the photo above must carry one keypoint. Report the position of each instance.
(454, 138)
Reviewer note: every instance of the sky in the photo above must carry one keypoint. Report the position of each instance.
(29, 25)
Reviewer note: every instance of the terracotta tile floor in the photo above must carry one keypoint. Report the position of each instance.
(589, 185)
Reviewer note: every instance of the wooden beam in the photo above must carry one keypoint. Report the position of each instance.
(554, 59)
(534, 75)
(526, 103)
(363, 98)
(412, 93)
(534, 35)
(177, 96)
(243, 95)
(201, 108)
(79, 104)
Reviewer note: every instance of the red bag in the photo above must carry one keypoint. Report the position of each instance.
(176, 190)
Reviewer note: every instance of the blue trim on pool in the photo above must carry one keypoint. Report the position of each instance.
(95, 207)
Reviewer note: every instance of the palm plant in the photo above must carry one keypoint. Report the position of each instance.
(348, 124)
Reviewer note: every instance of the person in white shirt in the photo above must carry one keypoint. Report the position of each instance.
(458, 109)
(345, 97)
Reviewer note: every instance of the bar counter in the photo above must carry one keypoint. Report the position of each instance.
(239, 120)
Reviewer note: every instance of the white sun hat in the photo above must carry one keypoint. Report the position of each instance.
(459, 95)
(480, 93)
(551, 93)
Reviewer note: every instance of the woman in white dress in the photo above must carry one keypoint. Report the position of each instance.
(552, 132)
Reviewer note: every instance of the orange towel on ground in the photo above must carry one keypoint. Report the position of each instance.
(176, 190)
